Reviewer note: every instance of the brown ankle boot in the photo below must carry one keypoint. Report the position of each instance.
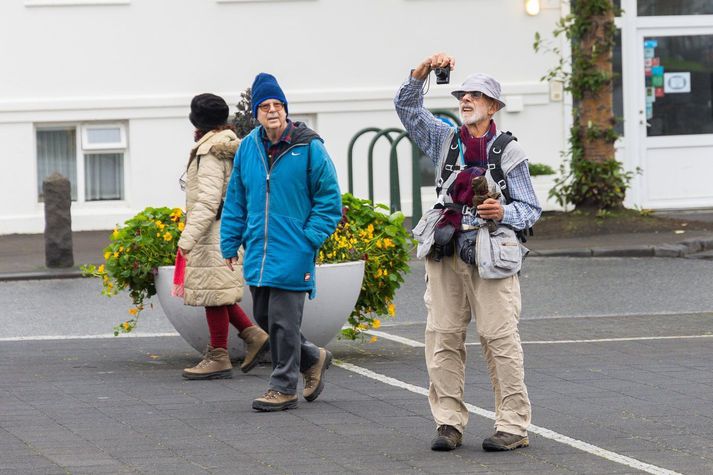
(256, 343)
(215, 365)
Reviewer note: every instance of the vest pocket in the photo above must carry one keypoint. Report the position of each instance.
(499, 253)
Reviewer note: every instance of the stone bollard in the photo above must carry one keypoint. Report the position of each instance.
(58, 221)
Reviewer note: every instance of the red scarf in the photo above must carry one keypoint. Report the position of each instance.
(476, 148)
(179, 275)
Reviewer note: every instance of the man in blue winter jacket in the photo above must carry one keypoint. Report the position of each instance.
(283, 201)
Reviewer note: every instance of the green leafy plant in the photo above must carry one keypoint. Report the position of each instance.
(368, 232)
(540, 169)
(136, 249)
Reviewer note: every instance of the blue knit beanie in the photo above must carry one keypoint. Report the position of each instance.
(265, 87)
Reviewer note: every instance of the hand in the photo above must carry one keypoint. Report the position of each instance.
(438, 60)
(231, 262)
(491, 209)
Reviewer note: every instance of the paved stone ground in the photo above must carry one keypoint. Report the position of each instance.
(120, 406)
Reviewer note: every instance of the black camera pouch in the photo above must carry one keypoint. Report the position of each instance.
(443, 242)
(465, 244)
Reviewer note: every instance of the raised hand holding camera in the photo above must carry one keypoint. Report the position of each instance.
(441, 63)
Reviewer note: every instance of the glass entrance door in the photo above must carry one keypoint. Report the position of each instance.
(676, 117)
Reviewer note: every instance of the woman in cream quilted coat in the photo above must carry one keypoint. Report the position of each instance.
(208, 281)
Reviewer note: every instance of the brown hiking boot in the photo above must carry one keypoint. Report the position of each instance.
(503, 441)
(448, 438)
(314, 377)
(275, 401)
(215, 365)
(256, 343)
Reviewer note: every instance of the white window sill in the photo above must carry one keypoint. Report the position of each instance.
(74, 3)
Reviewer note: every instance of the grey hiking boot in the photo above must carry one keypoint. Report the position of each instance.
(214, 365)
(501, 441)
(256, 343)
(275, 401)
(314, 376)
(448, 438)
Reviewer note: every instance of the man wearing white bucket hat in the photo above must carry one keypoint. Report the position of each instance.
(468, 277)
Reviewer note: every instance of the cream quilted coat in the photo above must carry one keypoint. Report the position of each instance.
(208, 281)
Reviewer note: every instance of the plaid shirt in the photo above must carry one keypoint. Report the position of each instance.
(429, 133)
(275, 149)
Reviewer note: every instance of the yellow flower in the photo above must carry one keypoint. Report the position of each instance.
(168, 236)
(125, 326)
(134, 311)
(115, 234)
(158, 234)
(101, 269)
(107, 254)
(116, 253)
(373, 339)
(376, 323)
(363, 326)
(181, 226)
(392, 309)
(379, 273)
(176, 214)
(370, 229)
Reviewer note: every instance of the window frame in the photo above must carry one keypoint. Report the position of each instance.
(85, 145)
(80, 158)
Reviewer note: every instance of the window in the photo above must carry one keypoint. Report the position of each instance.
(57, 152)
(669, 7)
(678, 74)
(91, 156)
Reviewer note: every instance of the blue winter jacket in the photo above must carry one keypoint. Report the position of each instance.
(280, 214)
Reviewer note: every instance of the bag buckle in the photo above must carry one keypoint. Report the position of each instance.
(468, 211)
(502, 184)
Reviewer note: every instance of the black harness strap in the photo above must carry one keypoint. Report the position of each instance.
(495, 157)
(450, 164)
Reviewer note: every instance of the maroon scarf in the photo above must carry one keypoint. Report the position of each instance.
(476, 148)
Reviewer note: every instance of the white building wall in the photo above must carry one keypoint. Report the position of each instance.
(140, 62)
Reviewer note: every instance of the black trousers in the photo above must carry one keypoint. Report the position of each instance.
(279, 313)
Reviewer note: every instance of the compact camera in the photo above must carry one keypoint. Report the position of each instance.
(443, 75)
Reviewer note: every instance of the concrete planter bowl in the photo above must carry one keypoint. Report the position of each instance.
(338, 287)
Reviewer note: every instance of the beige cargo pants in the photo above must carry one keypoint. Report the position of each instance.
(454, 292)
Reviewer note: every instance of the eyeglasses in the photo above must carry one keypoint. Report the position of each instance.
(278, 106)
(474, 94)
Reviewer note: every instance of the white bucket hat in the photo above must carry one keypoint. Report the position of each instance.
(488, 85)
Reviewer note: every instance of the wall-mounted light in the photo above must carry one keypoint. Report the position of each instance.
(532, 7)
